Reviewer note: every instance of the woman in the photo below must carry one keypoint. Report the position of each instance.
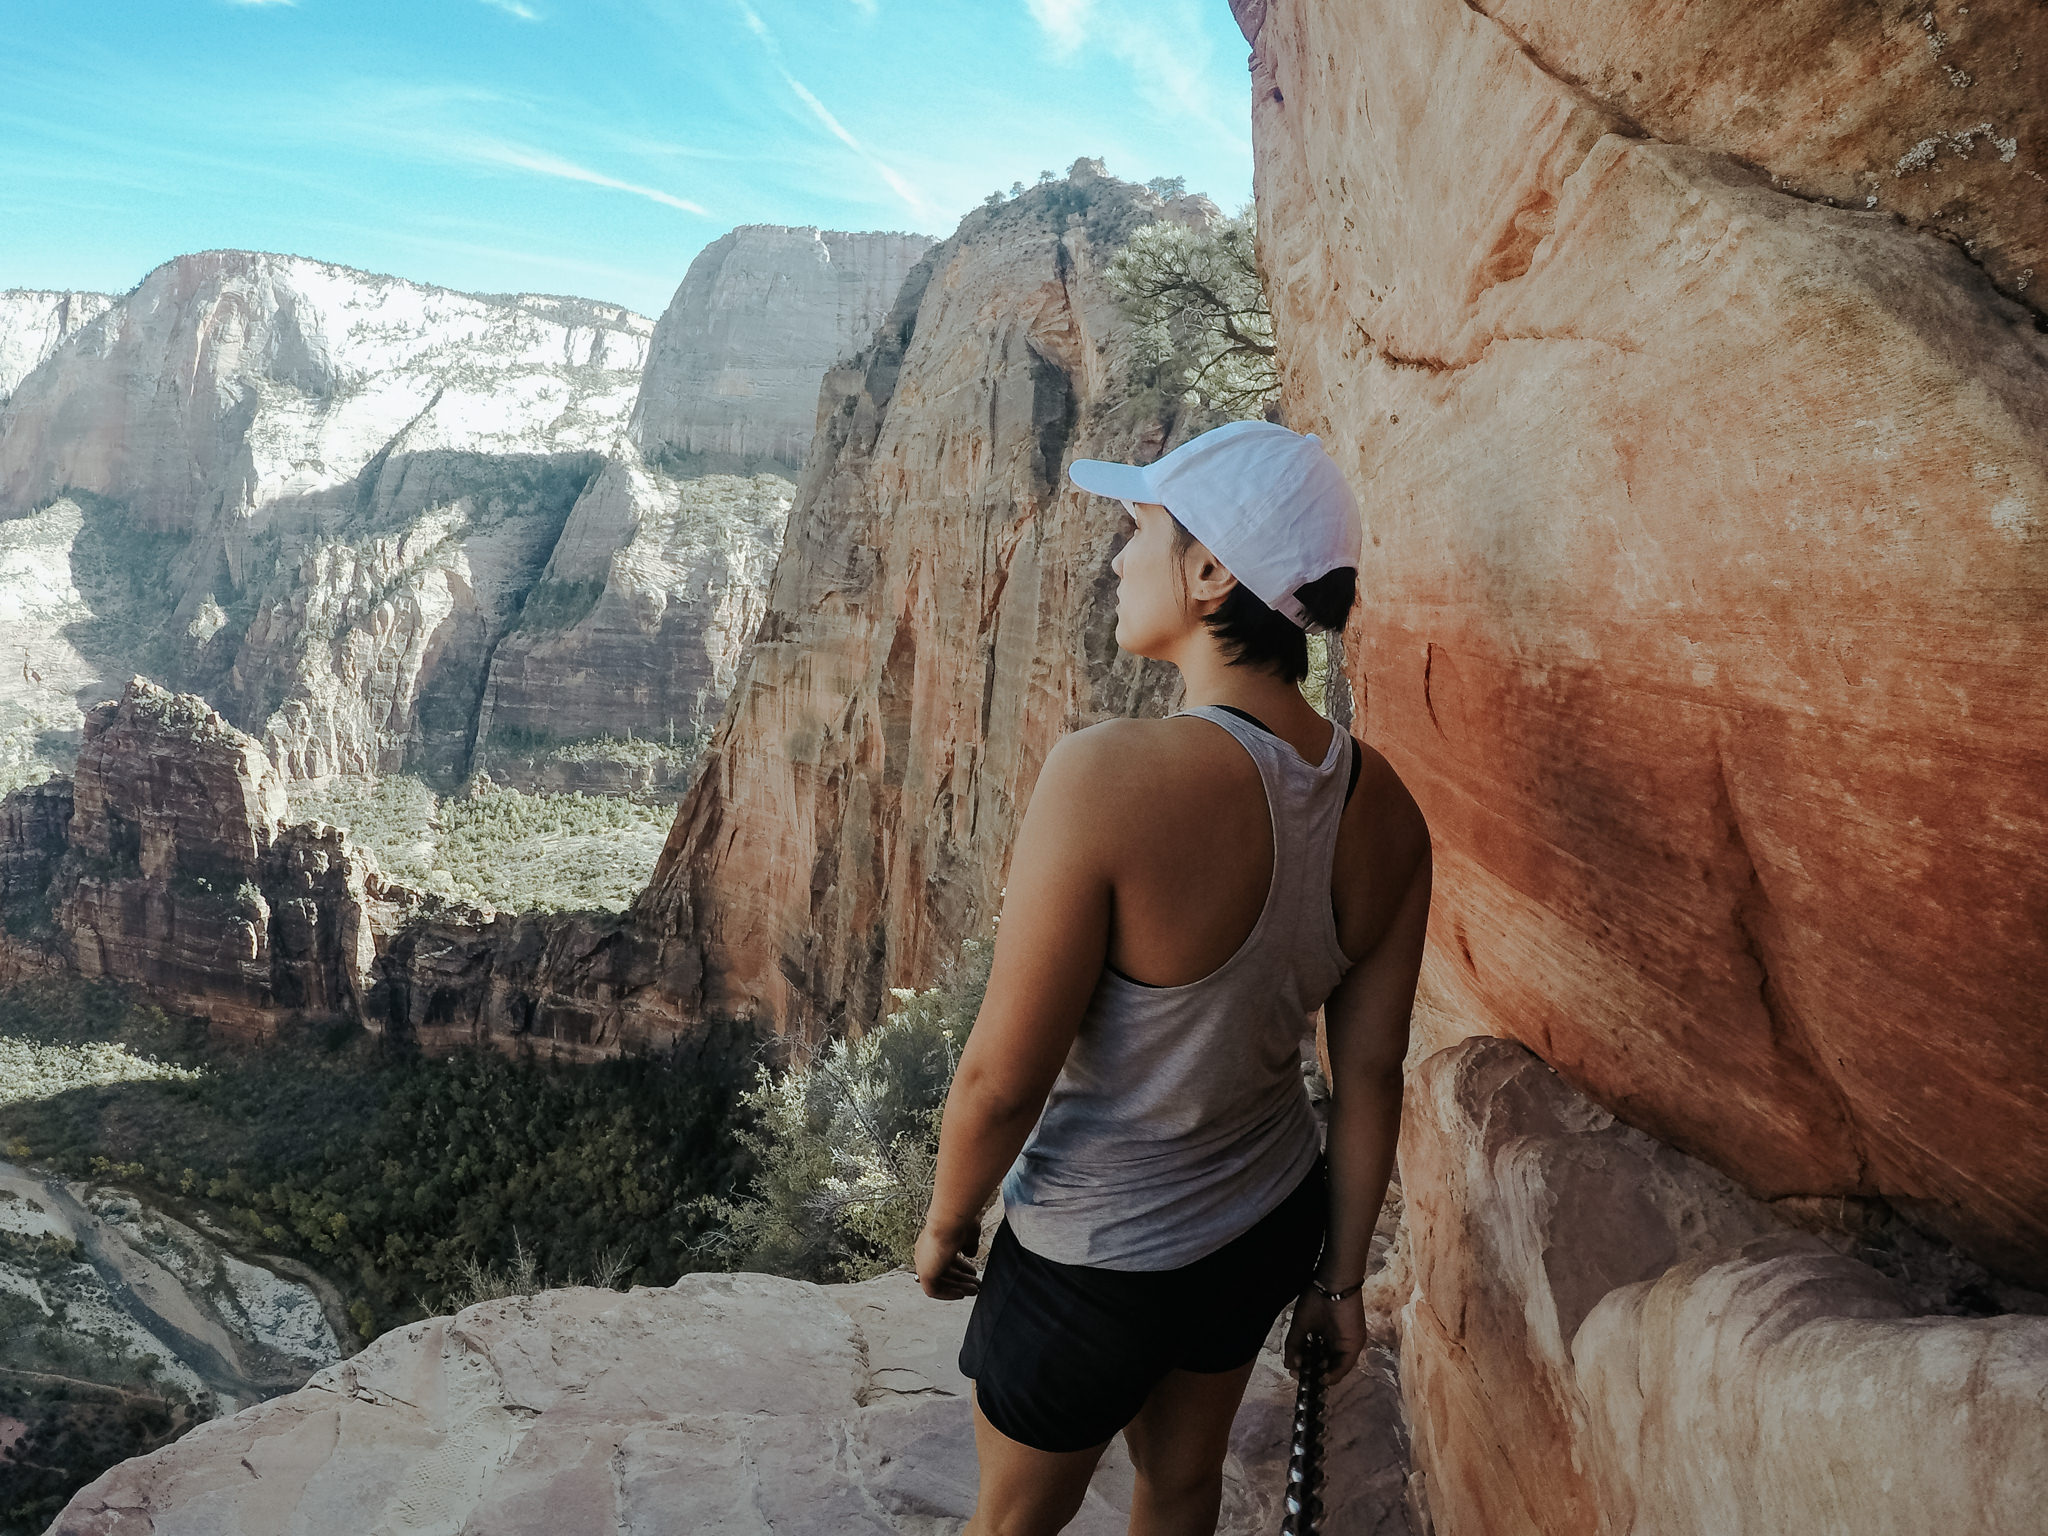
(1184, 894)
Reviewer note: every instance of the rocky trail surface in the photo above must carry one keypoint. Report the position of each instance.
(727, 1402)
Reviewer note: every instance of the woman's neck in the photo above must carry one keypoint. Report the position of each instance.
(1206, 678)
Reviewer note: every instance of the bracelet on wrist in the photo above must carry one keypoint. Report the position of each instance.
(1327, 1294)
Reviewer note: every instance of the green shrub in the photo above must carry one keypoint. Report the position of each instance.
(495, 846)
(76, 1430)
(845, 1142)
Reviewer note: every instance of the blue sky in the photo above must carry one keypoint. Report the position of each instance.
(574, 146)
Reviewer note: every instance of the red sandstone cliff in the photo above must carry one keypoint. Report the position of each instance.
(1707, 569)
(165, 863)
(941, 613)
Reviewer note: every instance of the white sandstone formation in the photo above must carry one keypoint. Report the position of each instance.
(230, 382)
(724, 1403)
(660, 576)
(33, 321)
(637, 626)
(323, 498)
(315, 494)
(740, 350)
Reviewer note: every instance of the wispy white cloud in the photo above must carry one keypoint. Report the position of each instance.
(514, 8)
(896, 183)
(527, 255)
(542, 163)
(1065, 21)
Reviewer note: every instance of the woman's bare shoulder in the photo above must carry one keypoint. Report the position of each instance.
(1127, 763)
(1124, 739)
(1384, 822)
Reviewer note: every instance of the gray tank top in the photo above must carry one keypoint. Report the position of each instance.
(1180, 1117)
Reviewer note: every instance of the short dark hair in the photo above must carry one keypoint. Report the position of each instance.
(1253, 635)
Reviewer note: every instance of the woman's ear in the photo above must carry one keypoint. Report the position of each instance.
(1209, 580)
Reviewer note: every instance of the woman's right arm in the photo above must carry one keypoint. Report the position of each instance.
(1365, 1023)
(1049, 953)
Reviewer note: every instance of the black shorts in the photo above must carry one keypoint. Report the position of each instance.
(1064, 1355)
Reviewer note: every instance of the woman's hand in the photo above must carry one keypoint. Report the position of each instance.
(945, 1259)
(1341, 1323)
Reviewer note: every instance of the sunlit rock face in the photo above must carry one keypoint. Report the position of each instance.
(329, 500)
(1606, 1336)
(636, 626)
(942, 612)
(726, 1402)
(1706, 570)
(659, 578)
(760, 316)
(33, 321)
(165, 863)
(231, 382)
(316, 495)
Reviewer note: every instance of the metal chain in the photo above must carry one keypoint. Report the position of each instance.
(1305, 1460)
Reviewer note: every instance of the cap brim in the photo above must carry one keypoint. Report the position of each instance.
(1119, 482)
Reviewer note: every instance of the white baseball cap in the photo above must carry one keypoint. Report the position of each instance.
(1269, 503)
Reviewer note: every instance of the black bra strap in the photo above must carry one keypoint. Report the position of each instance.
(1248, 718)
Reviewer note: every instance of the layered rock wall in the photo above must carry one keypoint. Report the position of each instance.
(328, 501)
(588, 984)
(941, 613)
(1641, 1346)
(165, 863)
(316, 495)
(32, 323)
(230, 381)
(761, 314)
(325, 499)
(1707, 554)
(639, 621)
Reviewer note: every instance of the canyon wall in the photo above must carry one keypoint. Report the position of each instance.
(329, 500)
(1706, 569)
(316, 495)
(636, 625)
(32, 323)
(1692, 375)
(234, 381)
(1606, 1336)
(762, 313)
(660, 576)
(942, 612)
(165, 862)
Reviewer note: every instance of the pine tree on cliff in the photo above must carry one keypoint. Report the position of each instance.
(1200, 309)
